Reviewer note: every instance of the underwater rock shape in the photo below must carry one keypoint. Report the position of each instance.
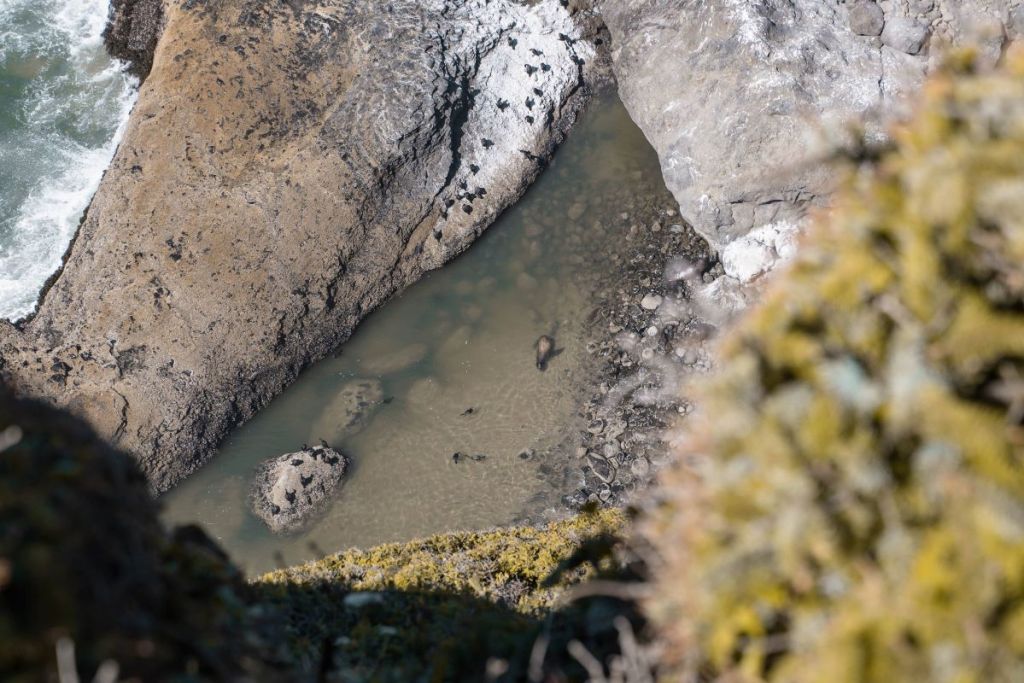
(349, 410)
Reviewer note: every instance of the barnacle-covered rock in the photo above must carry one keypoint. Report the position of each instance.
(852, 508)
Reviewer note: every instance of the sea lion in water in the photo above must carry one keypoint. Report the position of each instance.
(545, 349)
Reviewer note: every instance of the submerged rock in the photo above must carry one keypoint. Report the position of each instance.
(288, 167)
(349, 410)
(290, 490)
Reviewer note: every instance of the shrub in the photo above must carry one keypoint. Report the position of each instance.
(851, 507)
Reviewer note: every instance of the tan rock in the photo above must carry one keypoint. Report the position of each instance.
(288, 167)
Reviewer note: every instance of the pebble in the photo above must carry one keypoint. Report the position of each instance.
(651, 302)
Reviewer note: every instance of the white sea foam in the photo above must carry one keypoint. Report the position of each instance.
(71, 105)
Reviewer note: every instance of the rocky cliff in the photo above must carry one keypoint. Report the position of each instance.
(287, 168)
(738, 95)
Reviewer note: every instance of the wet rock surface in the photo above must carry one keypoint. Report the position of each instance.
(133, 32)
(288, 167)
(737, 96)
(290, 491)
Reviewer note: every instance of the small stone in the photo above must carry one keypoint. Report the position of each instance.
(652, 331)
(656, 227)
(576, 211)
(647, 354)
(362, 599)
(866, 18)
(651, 302)
(904, 34)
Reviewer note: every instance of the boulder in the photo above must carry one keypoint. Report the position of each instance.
(291, 490)
(288, 167)
(905, 34)
(133, 32)
(866, 17)
(742, 99)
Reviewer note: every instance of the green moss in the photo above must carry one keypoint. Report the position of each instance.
(506, 566)
(857, 510)
(442, 607)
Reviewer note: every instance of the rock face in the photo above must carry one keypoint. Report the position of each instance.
(734, 95)
(290, 490)
(133, 32)
(287, 168)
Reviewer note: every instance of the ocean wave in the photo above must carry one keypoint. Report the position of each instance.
(64, 107)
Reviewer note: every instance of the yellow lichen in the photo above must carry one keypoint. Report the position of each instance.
(851, 507)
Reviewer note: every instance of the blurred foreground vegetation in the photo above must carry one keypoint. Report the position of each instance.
(852, 507)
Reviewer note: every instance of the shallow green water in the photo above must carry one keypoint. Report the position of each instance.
(460, 338)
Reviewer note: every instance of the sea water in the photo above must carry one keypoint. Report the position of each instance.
(63, 104)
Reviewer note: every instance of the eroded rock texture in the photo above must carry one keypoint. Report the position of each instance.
(288, 167)
(735, 96)
(289, 491)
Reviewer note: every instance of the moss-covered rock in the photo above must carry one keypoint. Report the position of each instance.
(852, 508)
(455, 607)
(84, 560)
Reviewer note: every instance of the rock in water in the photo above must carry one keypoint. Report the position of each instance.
(734, 94)
(289, 491)
(288, 167)
(349, 410)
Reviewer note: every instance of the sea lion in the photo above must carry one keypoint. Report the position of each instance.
(545, 349)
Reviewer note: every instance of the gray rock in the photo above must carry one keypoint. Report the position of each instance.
(905, 34)
(288, 167)
(291, 490)
(650, 302)
(866, 17)
(1016, 23)
(133, 31)
(735, 97)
